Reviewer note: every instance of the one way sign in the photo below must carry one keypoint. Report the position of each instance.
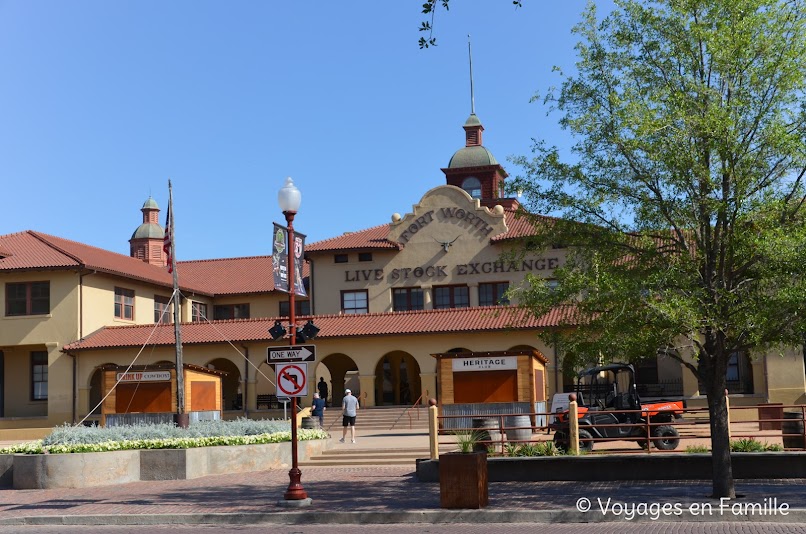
(294, 353)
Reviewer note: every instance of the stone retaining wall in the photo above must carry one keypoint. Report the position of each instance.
(665, 466)
(80, 470)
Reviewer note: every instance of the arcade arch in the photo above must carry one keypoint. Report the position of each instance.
(397, 379)
(230, 383)
(340, 373)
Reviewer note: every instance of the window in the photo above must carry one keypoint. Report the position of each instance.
(407, 298)
(493, 293)
(739, 373)
(124, 303)
(231, 311)
(472, 186)
(28, 298)
(162, 311)
(354, 302)
(39, 375)
(198, 312)
(301, 307)
(340, 258)
(365, 256)
(451, 297)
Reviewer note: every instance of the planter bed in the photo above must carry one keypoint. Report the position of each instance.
(88, 469)
(666, 466)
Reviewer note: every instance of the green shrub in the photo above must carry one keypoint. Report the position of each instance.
(466, 440)
(773, 447)
(695, 449)
(513, 449)
(70, 439)
(548, 448)
(747, 445)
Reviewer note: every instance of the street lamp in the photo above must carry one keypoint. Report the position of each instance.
(289, 199)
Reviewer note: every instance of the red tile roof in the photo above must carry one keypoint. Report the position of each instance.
(371, 238)
(448, 321)
(34, 250)
(231, 276)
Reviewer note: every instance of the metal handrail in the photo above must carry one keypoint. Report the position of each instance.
(408, 410)
(501, 429)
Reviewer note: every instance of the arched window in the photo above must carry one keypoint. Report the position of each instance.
(472, 186)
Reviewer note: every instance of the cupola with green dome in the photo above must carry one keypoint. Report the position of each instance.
(474, 169)
(147, 240)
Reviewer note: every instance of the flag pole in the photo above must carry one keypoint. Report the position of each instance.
(181, 418)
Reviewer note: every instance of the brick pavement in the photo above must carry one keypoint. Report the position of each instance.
(357, 494)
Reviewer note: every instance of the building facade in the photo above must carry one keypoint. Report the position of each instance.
(390, 301)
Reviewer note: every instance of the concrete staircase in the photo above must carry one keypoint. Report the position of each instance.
(378, 442)
(350, 455)
(389, 419)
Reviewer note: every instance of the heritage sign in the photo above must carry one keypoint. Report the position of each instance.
(293, 353)
(482, 363)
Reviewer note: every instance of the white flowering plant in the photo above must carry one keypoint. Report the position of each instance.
(74, 439)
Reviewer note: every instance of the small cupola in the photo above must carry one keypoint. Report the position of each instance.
(147, 240)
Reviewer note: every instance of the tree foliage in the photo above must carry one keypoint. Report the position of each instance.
(430, 11)
(682, 209)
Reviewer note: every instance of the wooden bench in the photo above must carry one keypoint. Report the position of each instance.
(269, 401)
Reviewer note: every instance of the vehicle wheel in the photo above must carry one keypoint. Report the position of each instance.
(670, 438)
(585, 446)
(561, 440)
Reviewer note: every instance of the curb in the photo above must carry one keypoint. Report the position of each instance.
(433, 517)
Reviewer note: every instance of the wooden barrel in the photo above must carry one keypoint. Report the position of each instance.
(793, 424)
(519, 428)
(310, 422)
(489, 431)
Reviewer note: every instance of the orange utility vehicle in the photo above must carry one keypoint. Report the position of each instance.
(609, 407)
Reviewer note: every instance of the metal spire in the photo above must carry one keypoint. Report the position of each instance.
(472, 98)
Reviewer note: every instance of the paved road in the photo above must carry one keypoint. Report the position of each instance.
(456, 528)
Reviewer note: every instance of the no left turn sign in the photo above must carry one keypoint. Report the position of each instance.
(292, 379)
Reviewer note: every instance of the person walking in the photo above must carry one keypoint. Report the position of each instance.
(318, 409)
(322, 388)
(349, 409)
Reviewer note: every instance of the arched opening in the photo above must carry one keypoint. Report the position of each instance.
(96, 393)
(230, 383)
(397, 379)
(343, 373)
(472, 186)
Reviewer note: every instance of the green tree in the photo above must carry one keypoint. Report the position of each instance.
(682, 206)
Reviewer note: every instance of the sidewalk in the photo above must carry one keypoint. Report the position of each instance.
(390, 494)
(344, 495)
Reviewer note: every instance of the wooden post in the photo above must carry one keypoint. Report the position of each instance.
(727, 409)
(433, 433)
(573, 425)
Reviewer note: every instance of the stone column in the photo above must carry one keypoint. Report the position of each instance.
(367, 386)
(428, 381)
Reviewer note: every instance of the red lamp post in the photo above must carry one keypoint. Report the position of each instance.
(289, 199)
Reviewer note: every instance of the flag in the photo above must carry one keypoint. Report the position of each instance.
(167, 245)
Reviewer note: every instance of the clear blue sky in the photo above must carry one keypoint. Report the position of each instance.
(101, 102)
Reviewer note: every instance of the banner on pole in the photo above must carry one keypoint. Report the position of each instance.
(280, 263)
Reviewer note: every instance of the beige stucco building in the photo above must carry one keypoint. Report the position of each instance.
(387, 299)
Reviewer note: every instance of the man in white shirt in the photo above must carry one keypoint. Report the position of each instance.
(349, 408)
